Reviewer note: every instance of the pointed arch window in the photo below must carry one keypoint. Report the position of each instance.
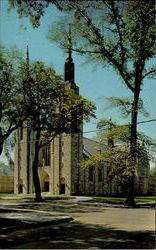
(46, 155)
(21, 132)
(99, 174)
(91, 172)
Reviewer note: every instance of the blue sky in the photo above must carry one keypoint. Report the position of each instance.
(94, 84)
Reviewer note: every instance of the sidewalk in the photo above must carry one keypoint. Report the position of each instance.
(47, 224)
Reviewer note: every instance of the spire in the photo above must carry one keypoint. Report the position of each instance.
(27, 60)
(27, 54)
(27, 73)
(69, 65)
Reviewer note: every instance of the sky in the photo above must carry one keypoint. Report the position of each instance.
(94, 83)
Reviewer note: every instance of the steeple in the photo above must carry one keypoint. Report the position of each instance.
(27, 54)
(69, 65)
(27, 61)
(26, 75)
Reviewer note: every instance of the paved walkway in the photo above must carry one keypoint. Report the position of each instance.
(93, 226)
(80, 209)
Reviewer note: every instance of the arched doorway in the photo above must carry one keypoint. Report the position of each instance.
(44, 179)
(46, 184)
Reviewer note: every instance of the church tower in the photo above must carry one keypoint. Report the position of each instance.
(58, 168)
(68, 147)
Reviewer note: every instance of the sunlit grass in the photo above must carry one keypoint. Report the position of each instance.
(113, 200)
(32, 196)
(47, 196)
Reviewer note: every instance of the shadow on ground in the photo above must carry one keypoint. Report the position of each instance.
(75, 235)
(64, 208)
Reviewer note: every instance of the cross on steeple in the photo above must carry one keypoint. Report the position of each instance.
(69, 43)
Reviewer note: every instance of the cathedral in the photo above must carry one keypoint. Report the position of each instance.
(59, 169)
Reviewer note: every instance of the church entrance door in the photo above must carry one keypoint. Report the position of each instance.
(46, 186)
(62, 189)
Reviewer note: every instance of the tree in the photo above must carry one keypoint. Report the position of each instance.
(117, 156)
(6, 169)
(12, 110)
(53, 109)
(120, 34)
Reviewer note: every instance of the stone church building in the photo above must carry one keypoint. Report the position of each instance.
(59, 169)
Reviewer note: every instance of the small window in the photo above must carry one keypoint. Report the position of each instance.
(21, 133)
(91, 173)
(46, 155)
(107, 171)
(99, 174)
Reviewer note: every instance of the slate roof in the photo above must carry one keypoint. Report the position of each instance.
(91, 147)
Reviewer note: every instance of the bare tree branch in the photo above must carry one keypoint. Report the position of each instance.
(148, 73)
(103, 50)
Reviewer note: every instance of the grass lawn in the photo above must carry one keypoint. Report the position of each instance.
(45, 196)
(114, 200)
(7, 195)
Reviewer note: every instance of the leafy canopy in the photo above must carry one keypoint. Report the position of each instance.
(12, 111)
(51, 105)
(117, 158)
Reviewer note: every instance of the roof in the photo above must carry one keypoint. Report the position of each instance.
(91, 147)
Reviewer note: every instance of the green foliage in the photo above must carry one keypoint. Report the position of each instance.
(52, 106)
(32, 9)
(121, 133)
(117, 157)
(5, 169)
(118, 162)
(112, 130)
(12, 112)
(142, 41)
(125, 105)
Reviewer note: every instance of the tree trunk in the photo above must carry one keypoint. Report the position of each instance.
(1, 142)
(1, 146)
(133, 143)
(35, 169)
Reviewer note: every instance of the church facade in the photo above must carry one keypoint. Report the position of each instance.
(58, 162)
(59, 169)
